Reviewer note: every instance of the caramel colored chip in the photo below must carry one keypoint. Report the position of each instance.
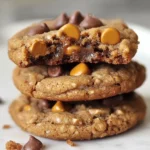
(70, 30)
(110, 36)
(38, 48)
(80, 69)
(27, 108)
(72, 49)
(58, 107)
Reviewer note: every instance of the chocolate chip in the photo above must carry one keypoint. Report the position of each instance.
(33, 144)
(43, 104)
(54, 71)
(76, 18)
(61, 20)
(90, 22)
(38, 29)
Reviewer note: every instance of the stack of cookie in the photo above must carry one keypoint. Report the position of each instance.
(77, 78)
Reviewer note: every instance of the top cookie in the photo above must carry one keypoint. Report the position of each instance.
(76, 38)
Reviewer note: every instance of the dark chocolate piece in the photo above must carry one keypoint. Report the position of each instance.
(61, 20)
(76, 18)
(90, 22)
(33, 144)
(38, 29)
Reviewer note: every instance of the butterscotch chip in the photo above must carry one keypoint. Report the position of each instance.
(70, 30)
(58, 107)
(38, 48)
(77, 123)
(11, 145)
(110, 36)
(71, 143)
(27, 108)
(72, 49)
(80, 69)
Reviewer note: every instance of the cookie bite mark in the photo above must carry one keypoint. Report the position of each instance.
(73, 39)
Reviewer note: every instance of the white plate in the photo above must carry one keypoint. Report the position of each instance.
(135, 139)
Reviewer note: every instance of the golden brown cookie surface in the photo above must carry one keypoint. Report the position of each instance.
(79, 120)
(104, 81)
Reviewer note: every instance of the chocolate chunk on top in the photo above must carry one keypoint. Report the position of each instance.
(76, 18)
(90, 22)
(38, 29)
(61, 20)
(33, 144)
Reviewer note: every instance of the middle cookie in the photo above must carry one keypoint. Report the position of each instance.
(104, 81)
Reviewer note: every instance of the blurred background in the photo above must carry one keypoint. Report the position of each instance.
(13, 11)
(136, 11)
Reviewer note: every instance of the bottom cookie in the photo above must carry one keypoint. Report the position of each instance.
(81, 120)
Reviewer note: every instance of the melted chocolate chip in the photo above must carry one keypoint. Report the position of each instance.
(33, 144)
(38, 29)
(61, 20)
(43, 104)
(90, 22)
(55, 71)
(76, 18)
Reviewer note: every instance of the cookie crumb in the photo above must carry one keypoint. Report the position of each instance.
(71, 143)
(6, 126)
(11, 145)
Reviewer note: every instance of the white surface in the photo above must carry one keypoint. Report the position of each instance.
(135, 139)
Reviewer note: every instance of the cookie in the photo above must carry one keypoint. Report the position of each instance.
(104, 81)
(71, 39)
(83, 120)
